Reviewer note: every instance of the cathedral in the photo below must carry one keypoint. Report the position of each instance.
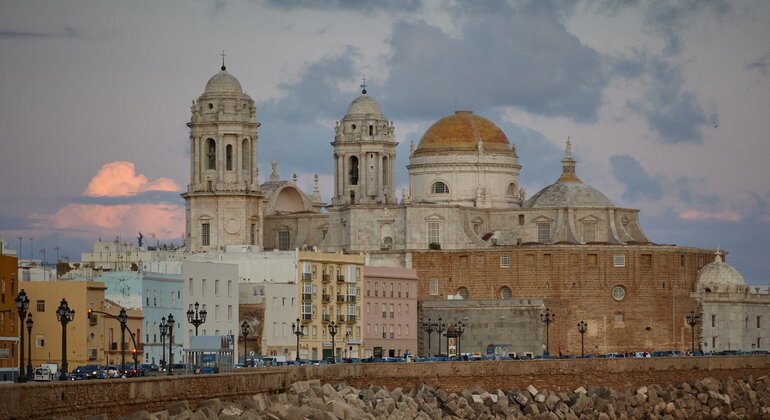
(482, 249)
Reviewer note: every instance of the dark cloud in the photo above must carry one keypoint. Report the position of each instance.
(673, 113)
(637, 182)
(761, 64)
(146, 197)
(67, 32)
(366, 6)
(687, 190)
(667, 19)
(526, 59)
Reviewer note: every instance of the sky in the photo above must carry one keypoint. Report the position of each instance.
(667, 103)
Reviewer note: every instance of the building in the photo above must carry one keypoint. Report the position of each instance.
(390, 316)
(162, 296)
(9, 318)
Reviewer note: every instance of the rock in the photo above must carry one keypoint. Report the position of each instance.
(531, 410)
(177, 407)
(231, 410)
(580, 390)
(99, 417)
(138, 415)
(532, 390)
(540, 398)
(642, 390)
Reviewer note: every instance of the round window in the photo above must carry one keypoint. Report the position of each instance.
(618, 293)
(505, 292)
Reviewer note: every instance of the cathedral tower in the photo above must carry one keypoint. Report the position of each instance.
(364, 156)
(223, 199)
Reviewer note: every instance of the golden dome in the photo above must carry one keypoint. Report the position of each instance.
(461, 132)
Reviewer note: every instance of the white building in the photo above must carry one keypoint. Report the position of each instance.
(215, 287)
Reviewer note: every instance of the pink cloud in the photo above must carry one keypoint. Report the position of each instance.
(119, 179)
(730, 216)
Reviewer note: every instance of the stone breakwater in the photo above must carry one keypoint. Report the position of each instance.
(706, 398)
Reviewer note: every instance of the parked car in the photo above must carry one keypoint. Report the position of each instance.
(112, 371)
(85, 372)
(614, 355)
(149, 367)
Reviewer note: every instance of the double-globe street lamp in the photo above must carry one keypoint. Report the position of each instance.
(65, 315)
(22, 305)
(30, 375)
(170, 327)
(692, 321)
(196, 318)
(245, 332)
(547, 318)
(163, 331)
(333, 328)
(428, 327)
(440, 328)
(298, 330)
(582, 328)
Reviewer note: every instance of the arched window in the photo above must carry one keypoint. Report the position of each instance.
(439, 188)
(387, 243)
(211, 153)
(353, 170)
(463, 292)
(505, 292)
(245, 155)
(229, 157)
(511, 191)
(385, 171)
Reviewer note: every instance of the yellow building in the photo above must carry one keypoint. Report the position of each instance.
(45, 298)
(330, 290)
(9, 318)
(105, 345)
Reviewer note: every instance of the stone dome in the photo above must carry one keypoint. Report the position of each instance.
(462, 132)
(223, 82)
(364, 105)
(718, 276)
(569, 194)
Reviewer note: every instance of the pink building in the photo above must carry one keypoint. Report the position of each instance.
(390, 311)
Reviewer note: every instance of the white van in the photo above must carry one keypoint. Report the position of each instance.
(42, 374)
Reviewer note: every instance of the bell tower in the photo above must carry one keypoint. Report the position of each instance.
(223, 199)
(364, 155)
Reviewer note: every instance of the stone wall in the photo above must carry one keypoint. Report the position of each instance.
(118, 397)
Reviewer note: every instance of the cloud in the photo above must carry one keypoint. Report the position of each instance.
(66, 32)
(524, 59)
(366, 6)
(119, 178)
(673, 113)
(760, 64)
(638, 183)
(692, 214)
(668, 19)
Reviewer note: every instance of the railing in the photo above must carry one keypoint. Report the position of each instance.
(326, 277)
(340, 299)
(392, 336)
(384, 314)
(341, 318)
(307, 317)
(391, 314)
(352, 319)
(340, 278)
(325, 317)
(307, 276)
(307, 297)
(326, 298)
(351, 298)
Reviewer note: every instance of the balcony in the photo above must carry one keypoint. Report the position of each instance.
(340, 298)
(351, 319)
(351, 299)
(326, 277)
(91, 354)
(326, 317)
(392, 336)
(384, 334)
(340, 318)
(113, 346)
(384, 314)
(340, 278)
(307, 297)
(326, 298)
(307, 317)
(391, 314)
(307, 277)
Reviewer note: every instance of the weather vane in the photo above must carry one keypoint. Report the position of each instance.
(223, 60)
(363, 85)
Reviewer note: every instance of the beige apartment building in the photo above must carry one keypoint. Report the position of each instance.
(330, 292)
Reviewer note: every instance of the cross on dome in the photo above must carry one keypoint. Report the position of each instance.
(223, 60)
(363, 85)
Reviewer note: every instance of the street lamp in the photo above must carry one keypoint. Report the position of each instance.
(333, 331)
(582, 327)
(245, 331)
(440, 327)
(65, 315)
(459, 330)
(547, 318)
(298, 330)
(692, 321)
(196, 318)
(29, 347)
(22, 305)
(428, 327)
(163, 332)
(123, 319)
(170, 326)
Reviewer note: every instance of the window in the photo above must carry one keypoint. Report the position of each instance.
(245, 155)
(463, 291)
(521, 220)
(155, 297)
(434, 286)
(439, 188)
(619, 317)
(543, 232)
(147, 297)
(229, 288)
(211, 146)
(387, 243)
(229, 312)
(40, 341)
(593, 259)
(229, 157)
(619, 260)
(216, 287)
(713, 321)
(284, 240)
(511, 190)
(253, 234)
(203, 287)
(371, 130)
(645, 260)
(505, 292)
(189, 286)
(505, 261)
(434, 232)
(353, 170)
(618, 293)
(205, 234)
(41, 306)
(589, 231)
(758, 321)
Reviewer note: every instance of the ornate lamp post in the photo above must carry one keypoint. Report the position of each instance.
(65, 315)
(428, 327)
(298, 330)
(163, 331)
(123, 319)
(245, 331)
(459, 330)
(582, 327)
(29, 347)
(22, 305)
(333, 328)
(440, 327)
(547, 318)
(196, 318)
(692, 321)
(170, 325)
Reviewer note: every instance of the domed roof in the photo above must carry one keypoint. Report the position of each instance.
(364, 105)
(462, 131)
(223, 82)
(718, 274)
(569, 194)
